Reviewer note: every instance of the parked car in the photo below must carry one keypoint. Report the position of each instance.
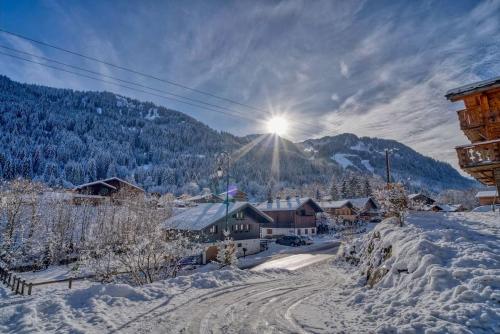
(306, 240)
(289, 240)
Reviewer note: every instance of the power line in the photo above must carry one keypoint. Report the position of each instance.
(120, 85)
(115, 78)
(144, 75)
(129, 70)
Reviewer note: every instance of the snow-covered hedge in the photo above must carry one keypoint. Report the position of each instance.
(440, 271)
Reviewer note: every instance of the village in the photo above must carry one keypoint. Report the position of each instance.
(289, 167)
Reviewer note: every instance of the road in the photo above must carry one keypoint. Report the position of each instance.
(264, 307)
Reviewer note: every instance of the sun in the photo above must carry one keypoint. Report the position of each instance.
(277, 125)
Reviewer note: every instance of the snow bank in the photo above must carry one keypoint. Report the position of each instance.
(98, 308)
(439, 273)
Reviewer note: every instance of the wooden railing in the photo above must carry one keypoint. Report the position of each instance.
(479, 153)
(470, 119)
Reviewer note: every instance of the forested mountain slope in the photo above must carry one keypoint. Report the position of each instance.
(65, 137)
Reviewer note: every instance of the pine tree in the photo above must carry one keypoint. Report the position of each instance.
(334, 192)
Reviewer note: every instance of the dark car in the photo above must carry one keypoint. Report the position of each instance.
(289, 240)
(306, 240)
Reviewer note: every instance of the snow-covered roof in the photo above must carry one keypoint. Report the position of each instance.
(472, 88)
(81, 186)
(361, 202)
(447, 207)
(487, 193)
(206, 214)
(412, 196)
(334, 204)
(287, 204)
(202, 196)
(106, 184)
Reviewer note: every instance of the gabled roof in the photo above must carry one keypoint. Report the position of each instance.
(360, 203)
(412, 196)
(102, 183)
(206, 214)
(454, 94)
(487, 193)
(335, 204)
(288, 204)
(106, 184)
(203, 196)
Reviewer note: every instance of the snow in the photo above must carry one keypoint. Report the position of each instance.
(342, 160)
(99, 110)
(487, 193)
(284, 204)
(205, 214)
(360, 146)
(152, 114)
(367, 165)
(443, 275)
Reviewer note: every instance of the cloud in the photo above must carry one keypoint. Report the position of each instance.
(388, 64)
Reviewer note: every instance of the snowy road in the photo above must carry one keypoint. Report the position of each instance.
(263, 307)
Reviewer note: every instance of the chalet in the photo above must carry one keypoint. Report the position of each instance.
(235, 195)
(340, 210)
(366, 207)
(480, 122)
(420, 199)
(208, 221)
(108, 188)
(446, 208)
(290, 216)
(205, 198)
(488, 197)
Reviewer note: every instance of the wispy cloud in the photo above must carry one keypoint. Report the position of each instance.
(371, 68)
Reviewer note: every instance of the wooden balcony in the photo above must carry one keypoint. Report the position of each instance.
(481, 160)
(479, 126)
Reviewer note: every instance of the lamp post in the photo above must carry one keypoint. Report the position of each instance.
(225, 157)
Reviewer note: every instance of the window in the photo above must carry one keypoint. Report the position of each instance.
(313, 231)
(239, 244)
(241, 227)
(269, 231)
(213, 229)
(240, 215)
(306, 231)
(247, 227)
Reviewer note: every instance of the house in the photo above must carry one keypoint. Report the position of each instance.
(208, 221)
(205, 198)
(340, 210)
(420, 199)
(290, 216)
(446, 208)
(109, 188)
(366, 207)
(488, 197)
(235, 195)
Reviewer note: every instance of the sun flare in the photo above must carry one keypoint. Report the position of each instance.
(277, 125)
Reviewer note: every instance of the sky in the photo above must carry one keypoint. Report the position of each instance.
(372, 68)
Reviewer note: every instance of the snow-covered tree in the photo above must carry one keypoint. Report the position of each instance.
(394, 201)
(226, 251)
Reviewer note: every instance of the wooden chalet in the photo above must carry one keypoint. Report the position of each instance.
(421, 199)
(488, 197)
(208, 221)
(366, 207)
(235, 195)
(291, 216)
(205, 198)
(340, 210)
(480, 122)
(108, 187)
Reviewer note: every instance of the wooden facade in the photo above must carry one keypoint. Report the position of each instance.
(291, 216)
(340, 210)
(480, 122)
(109, 188)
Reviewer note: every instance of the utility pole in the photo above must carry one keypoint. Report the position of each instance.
(387, 167)
(225, 157)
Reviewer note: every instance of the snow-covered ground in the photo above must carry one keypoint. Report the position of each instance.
(442, 275)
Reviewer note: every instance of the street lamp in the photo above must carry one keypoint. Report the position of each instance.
(225, 157)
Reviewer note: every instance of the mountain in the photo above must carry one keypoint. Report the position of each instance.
(65, 137)
(367, 155)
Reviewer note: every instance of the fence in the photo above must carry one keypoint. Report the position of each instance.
(21, 286)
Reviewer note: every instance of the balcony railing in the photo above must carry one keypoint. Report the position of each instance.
(470, 119)
(483, 153)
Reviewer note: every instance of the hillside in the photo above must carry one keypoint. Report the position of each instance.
(65, 137)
